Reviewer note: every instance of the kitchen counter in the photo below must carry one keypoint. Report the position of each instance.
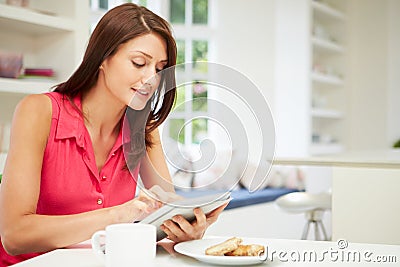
(280, 252)
(377, 159)
(365, 194)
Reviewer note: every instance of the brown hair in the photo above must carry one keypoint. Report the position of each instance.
(118, 26)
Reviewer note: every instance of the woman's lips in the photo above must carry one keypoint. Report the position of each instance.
(141, 92)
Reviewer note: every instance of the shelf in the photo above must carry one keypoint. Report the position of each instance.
(326, 113)
(326, 79)
(320, 148)
(326, 45)
(30, 22)
(327, 11)
(25, 86)
(327, 74)
(48, 34)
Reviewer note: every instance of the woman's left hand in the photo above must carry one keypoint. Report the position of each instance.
(179, 229)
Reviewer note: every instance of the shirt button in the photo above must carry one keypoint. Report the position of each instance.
(104, 178)
(113, 154)
(99, 201)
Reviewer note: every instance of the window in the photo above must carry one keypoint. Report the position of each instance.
(200, 12)
(100, 7)
(188, 123)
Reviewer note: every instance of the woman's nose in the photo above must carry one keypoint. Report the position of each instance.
(150, 77)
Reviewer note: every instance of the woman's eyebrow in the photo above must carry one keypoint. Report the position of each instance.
(147, 55)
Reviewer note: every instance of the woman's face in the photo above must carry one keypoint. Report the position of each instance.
(131, 73)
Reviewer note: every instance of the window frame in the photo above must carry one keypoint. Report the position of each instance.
(190, 32)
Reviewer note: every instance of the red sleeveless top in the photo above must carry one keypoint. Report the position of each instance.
(70, 181)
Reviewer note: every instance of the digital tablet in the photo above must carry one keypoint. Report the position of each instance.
(185, 208)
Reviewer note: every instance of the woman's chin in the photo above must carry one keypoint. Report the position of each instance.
(137, 106)
(138, 102)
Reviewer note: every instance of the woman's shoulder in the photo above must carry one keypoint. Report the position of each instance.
(32, 121)
(35, 102)
(35, 106)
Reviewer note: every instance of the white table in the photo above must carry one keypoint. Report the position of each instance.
(365, 194)
(280, 252)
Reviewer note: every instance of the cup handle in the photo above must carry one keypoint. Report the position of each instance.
(97, 247)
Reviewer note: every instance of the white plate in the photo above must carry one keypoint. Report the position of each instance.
(196, 249)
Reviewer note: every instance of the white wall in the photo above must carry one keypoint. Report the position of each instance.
(245, 40)
(268, 42)
(393, 95)
(292, 83)
(374, 38)
(367, 51)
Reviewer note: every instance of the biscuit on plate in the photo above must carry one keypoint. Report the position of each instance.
(224, 247)
(247, 250)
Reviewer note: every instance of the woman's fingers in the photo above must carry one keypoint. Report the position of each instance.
(136, 209)
(150, 200)
(174, 232)
(140, 210)
(179, 229)
(201, 219)
(183, 223)
(169, 234)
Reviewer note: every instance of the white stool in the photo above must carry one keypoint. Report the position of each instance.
(312, 205)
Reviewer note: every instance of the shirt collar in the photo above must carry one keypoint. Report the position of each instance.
(70, 121)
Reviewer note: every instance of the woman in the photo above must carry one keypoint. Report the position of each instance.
(65, 175)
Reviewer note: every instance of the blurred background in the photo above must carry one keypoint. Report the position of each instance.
(328, 70)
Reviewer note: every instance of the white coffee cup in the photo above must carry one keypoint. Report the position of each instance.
(126, 244)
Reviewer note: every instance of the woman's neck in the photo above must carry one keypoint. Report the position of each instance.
(102, 112)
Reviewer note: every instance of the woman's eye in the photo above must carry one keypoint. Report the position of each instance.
(161, 68)
(137, 64)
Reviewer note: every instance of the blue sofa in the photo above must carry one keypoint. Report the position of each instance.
(242, 197)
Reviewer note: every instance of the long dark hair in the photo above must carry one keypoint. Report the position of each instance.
(118, 26)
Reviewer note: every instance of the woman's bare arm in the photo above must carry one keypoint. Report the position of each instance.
(21, 229)
(153, 167)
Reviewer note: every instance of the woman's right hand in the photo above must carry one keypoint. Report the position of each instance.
(138, 208)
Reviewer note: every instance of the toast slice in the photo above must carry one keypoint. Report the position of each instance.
(224, 247)
(247, 250)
